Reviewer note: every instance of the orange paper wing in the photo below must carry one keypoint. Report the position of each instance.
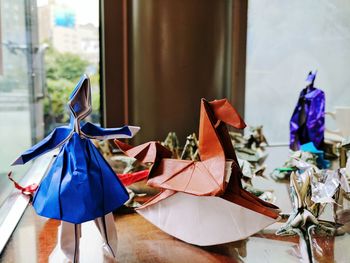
(184, 176)
(146, 153)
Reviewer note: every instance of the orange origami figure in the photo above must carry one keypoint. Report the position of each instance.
(203, 202)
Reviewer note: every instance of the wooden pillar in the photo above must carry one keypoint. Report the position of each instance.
(239, 44)
(159, 57)
(113, 63)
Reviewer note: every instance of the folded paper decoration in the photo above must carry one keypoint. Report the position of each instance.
(311, 190)
(307, 121)
(322, 163)
(80, 185)
(94, 247)
(203, 202)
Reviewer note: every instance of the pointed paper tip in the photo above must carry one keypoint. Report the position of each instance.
(122, 145)
(134, 130)
(18, 161)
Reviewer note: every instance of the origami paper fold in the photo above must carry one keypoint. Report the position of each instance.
(70, 237)
(307, 121)
(311, 190)
(80, 185)
(321, 162)
(206, 194)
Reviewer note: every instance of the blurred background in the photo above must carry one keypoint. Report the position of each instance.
(151, 61)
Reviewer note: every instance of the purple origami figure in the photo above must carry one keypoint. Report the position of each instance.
(307, 122)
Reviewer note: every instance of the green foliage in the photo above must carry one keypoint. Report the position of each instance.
(63, 70)
(55, 103)
(64, 65)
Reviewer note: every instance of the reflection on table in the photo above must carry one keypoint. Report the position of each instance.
(140, 241)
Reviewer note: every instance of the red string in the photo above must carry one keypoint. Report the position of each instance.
(28, 190)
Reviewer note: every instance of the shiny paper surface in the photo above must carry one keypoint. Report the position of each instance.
(80, 185)
(206, 194)
(307, 121)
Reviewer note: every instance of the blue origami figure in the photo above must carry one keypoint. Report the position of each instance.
(80, 185)
(307, 122)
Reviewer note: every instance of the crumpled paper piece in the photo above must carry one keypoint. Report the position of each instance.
(291, 164)
(327, 184)
(249, 172)
(324, 183)
(252, 146)
(311, 190)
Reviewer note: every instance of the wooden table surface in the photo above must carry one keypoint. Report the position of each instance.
(139, 241)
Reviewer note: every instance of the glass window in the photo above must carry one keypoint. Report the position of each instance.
(46, 45)
(16, 88)
(69, 31)
(285, 40)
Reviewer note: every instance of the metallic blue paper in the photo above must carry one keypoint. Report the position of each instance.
(80, 185)
(307, 121)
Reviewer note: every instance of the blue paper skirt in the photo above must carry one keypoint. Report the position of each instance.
(80, 185)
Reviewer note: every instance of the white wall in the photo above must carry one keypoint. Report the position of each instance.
(287, 39)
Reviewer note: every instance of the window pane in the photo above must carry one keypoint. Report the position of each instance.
(15, 90)
(287, 39)
(69, 32)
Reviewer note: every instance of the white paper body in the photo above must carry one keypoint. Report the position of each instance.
(93, 241)
(204, 220)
